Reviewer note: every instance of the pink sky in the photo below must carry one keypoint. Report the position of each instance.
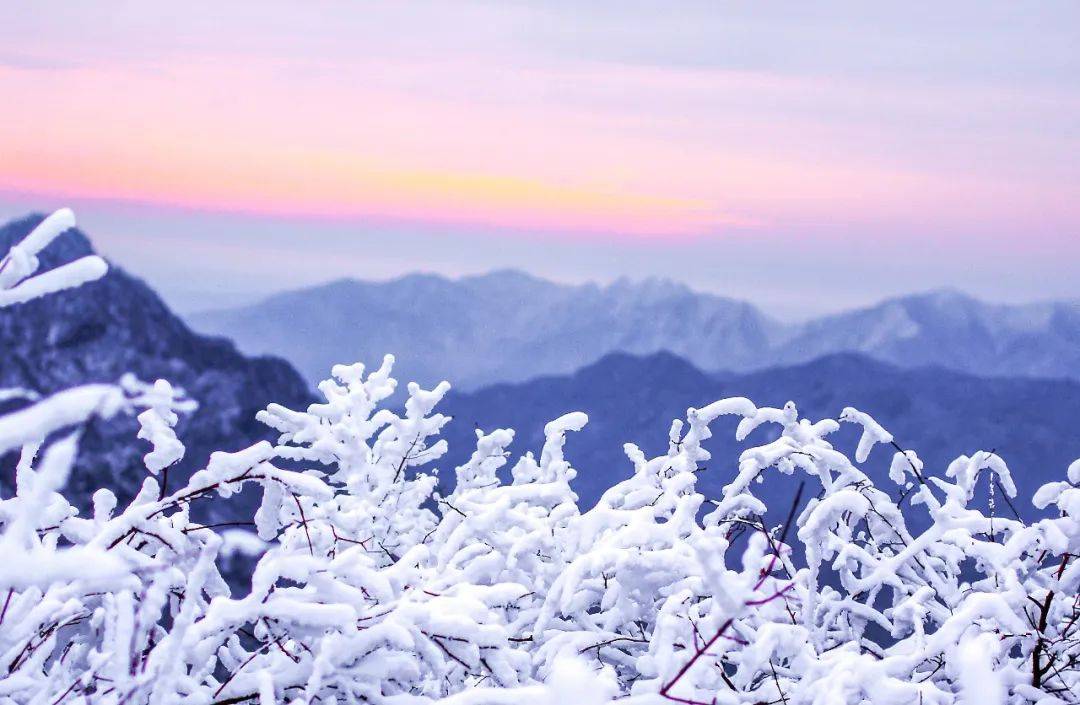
(641, 126)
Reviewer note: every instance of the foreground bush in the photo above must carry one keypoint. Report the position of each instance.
(379, 585)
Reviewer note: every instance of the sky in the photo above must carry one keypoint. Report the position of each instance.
(805, 156)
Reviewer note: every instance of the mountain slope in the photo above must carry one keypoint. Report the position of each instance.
(118, 324)
(508, 326)
(503, 326)
(949, 329)
(939, 413)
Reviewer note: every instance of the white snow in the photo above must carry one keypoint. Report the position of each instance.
(373, 584)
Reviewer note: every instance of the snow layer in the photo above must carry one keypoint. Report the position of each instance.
(375, 586)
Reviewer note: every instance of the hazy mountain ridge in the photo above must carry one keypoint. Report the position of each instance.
(953, 330)
(100, 331)
(939, 413)
(502, 326)
(511, 326)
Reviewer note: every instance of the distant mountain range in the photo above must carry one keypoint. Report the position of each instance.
(118, 324)
(564, 348)
(939, 413)
(507, 326)
(503, 326)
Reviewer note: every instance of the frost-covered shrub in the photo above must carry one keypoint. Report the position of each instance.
(378, 585)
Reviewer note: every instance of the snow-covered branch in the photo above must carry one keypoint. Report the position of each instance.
(382, 583)
(17, 281)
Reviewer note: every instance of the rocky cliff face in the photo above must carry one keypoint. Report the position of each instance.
(100, 331)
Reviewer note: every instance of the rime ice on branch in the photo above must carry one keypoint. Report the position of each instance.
(381, 585)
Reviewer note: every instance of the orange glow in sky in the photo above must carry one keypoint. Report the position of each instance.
(719, 138)
(612, 149)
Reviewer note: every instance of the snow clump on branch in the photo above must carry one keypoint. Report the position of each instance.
(381, 585)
